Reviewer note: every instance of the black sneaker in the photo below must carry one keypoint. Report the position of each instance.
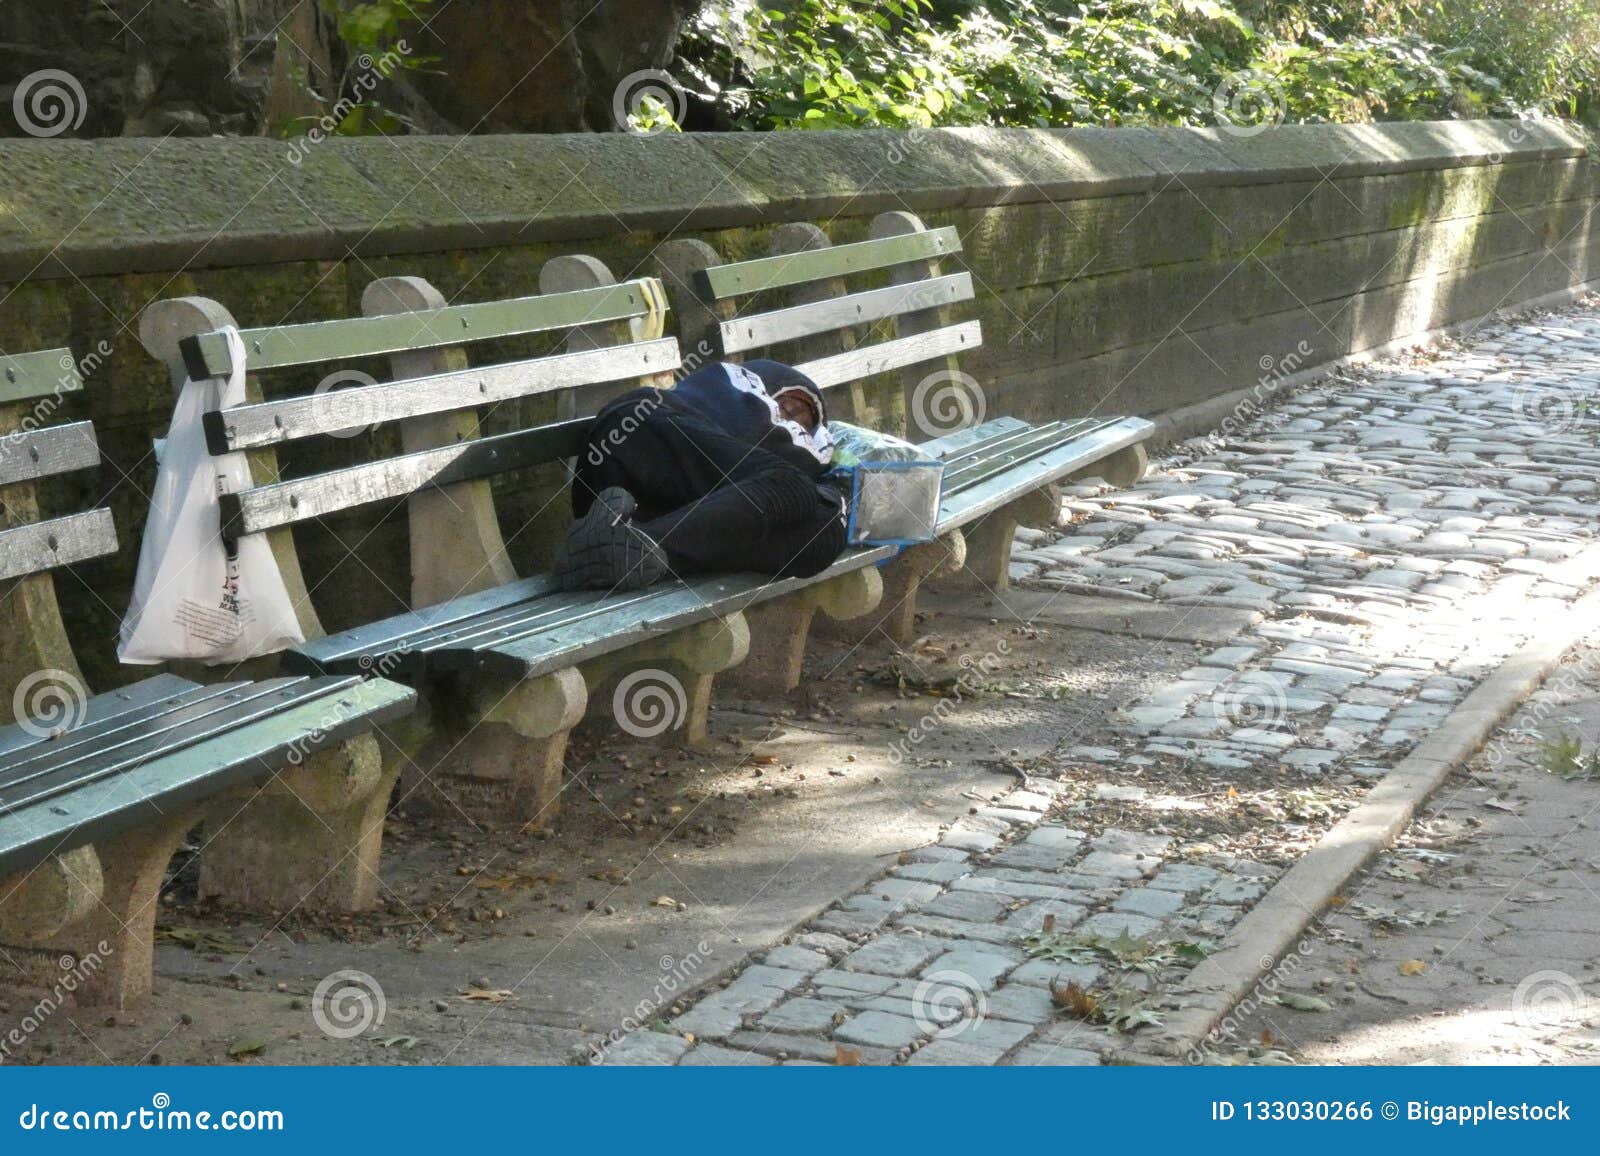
(604, 550)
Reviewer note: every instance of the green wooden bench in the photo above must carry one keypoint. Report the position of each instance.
(97, 791)
(797, 305)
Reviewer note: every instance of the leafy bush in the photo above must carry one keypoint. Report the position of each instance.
(911, 63)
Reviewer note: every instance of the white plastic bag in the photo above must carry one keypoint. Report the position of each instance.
(191, 598)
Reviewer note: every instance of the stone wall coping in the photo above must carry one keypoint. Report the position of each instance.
(84, 208)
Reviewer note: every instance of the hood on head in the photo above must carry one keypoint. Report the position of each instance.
(780, 378)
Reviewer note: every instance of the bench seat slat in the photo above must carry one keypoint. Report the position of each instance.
(722, 281)
(57, 542)
(363, 648)
(36, 772)
(952, 445)
(285, 503)
(978, 467)
(273, 422)
(762, 329)
(855, 364)
(673, 608)
(348, 338)
(41, 453)
(24, 376)
(105, 728)
(197, 770)
(969, 504)
(105, 709)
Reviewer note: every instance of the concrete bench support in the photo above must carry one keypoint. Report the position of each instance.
(307, 839)
(779, 629)
(90, 915)
(988, 562)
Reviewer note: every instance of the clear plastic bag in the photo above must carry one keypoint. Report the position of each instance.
(894, 503)
(853, 444)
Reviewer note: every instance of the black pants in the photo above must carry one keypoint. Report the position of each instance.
(714, 503)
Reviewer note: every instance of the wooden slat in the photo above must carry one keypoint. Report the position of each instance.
(285, 345)
(42, 452)
(363, 648)
(28, 375)
(762, 329)
(969, 504)
(152, 786)
(83, 748)
(867, 360)
(285, 503)
(58, 542)
(814, 264)
(671, 607)
(953, 444)
(272, 422)
(104, 709)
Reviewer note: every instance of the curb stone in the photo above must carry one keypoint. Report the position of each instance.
(1270, 929)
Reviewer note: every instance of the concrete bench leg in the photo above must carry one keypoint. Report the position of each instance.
(988, 565)
(308, 839)
(85, 921)
(662, 688)
(896, 614)
(507, 766)
(1122, 469)
(779, 628)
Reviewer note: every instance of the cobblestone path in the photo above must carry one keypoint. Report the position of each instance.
(1400, 529)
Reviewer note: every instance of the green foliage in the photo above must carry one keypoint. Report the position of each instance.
(373, 36)
(1564, 755)
(918, 63)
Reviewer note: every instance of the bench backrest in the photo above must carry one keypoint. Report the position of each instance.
(798, 305)
(611, 335)
(32, 638)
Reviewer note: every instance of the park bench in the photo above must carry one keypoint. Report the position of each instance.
(794, 305)
(98, 791)
(508, 665)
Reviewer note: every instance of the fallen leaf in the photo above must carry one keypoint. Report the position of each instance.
(247, 1046)
(1074, 1000)
(846, 1057)
(406, 1042)
(1299, 1001)
(488, 995)
(1266, 1038)
(1502, 805)
(664, 901)
(1413, 967)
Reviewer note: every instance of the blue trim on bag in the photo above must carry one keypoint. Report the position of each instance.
(855, 494)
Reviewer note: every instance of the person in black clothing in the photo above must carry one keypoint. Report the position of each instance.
(723, 472)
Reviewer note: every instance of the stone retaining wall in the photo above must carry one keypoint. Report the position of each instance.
(1128, 271)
